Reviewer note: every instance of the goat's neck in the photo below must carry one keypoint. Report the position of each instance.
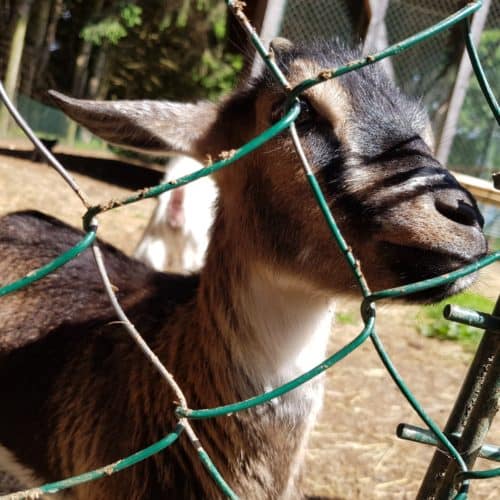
(252, 329)
(276, 326)
(288, 326)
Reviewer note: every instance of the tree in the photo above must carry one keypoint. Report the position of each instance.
(37, 41)
(15, 55)
(81, 69)
(177, 51)
(50, 39)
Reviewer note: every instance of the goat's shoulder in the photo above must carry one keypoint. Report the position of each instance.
(73, 294)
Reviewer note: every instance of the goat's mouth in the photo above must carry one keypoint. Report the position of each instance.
(412, 264)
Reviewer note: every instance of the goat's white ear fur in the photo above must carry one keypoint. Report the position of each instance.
(429, 137)
(156, 127)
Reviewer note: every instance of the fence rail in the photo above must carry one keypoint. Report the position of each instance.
(461, 474)
(481, 189)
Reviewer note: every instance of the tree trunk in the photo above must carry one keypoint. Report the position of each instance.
(15, 55)
(98, 83)
(80, 77)
(80, 74)
(38, 40)
(50, 38)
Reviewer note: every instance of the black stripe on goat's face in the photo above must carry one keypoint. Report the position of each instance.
(404, 214)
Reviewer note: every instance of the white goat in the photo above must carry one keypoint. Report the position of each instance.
(176, 237)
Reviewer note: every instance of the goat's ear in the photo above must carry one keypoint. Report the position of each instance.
(156, 127)
(281, 45)
(429, 137)
(283, 50)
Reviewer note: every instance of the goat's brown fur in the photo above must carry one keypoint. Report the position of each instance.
(258, 313)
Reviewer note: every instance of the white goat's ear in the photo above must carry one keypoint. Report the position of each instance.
(156, 127)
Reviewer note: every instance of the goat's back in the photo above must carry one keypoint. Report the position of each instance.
(60, 347)
(73, 294)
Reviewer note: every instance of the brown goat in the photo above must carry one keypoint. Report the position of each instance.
(77, 393)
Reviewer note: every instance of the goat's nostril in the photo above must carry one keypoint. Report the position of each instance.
(459, 211)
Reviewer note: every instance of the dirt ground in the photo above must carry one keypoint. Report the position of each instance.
(354, 452)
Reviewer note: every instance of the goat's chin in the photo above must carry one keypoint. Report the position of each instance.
(412, 265)
(441, 292)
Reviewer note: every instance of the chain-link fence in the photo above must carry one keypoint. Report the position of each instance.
(476, 144)
(287, 123)
(427, 70)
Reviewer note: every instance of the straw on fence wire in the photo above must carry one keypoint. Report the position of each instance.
(367, 308)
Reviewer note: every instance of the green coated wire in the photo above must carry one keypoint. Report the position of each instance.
(420, 286)
(105, 471)
(368, 309)
(21, 122)
(328, 216)
(154, 191)
(265, 54)
(478, 474)
(398, 380)
(59, 261)
(219, 480)
(282, 389)
(479, 72)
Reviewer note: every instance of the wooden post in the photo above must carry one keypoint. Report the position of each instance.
(471, 417)
(272, 17)
(376, 32)
(459, 90)
(238, 40)
(15, 55)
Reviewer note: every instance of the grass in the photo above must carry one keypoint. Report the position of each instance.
(346, 318)
(431, 322)
(494, 244)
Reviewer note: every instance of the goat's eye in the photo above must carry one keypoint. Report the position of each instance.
(307, 113)
(305, 107)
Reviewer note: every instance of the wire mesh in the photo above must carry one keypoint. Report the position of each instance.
(476, 144)
(427, 70)
(184, 412)
(309, 20)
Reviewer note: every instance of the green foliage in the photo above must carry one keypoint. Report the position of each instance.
(494, 244)
(217, 73)
(112, 28)
(108, 29)
(178, 52)
(131, 15)
(219, 69)
(431, 322)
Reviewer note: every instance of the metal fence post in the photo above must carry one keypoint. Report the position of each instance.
(474, 409)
